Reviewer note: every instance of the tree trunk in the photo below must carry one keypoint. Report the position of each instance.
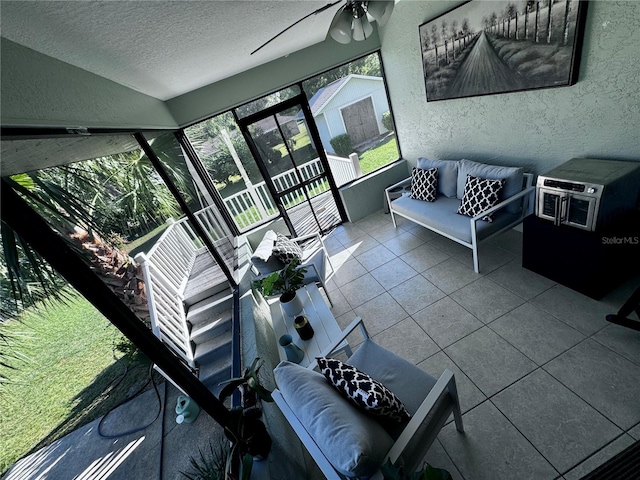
(549, 23)
(118, 271)
(565, 24)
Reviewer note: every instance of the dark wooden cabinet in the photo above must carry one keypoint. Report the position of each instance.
(592, 263)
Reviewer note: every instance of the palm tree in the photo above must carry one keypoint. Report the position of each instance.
(91, 204)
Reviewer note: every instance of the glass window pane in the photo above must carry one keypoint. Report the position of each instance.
(352, 113)
(186, 180)
(228, 160)
(267, 101)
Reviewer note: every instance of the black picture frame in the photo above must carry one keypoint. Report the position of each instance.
(502, 46)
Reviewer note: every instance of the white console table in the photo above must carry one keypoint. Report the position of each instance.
(325, 326)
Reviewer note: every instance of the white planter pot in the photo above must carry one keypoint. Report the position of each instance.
(293, 307)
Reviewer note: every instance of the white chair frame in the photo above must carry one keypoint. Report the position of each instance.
(445, 385)
(526, 196)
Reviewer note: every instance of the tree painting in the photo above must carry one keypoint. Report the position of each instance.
(488, 47)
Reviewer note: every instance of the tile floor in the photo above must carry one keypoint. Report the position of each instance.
(548, 388)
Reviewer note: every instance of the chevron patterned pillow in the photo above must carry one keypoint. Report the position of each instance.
(423, 184)
(362, 390)
(480, 194)
(286, 250)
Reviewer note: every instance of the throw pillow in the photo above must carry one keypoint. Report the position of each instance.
(512, 175)
(286, 250)
(480, 194)
(265, 247)
(423, 184)
(362, 390)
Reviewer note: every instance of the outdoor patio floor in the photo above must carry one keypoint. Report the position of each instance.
(548, 388)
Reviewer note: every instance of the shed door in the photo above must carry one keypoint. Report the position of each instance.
(360, 121)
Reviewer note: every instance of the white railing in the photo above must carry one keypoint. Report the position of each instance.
(166, 270)
(345, 169)
(242, 205)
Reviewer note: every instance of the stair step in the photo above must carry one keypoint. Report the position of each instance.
(212, 373)
(205, 331)
(210, 306)
(191, 299)
(212, 349)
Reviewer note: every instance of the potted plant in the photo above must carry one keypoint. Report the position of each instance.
(286, 282)
(246, 431)
(249, 386)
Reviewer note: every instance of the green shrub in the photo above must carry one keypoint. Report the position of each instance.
(342, 145)
(387, 121)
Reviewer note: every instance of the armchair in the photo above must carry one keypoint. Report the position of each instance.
(346, 442)
(314, 259)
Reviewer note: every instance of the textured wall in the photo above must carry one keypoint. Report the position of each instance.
(597, 117)
(40, 90)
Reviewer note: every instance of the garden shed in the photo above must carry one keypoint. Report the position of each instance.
(353, 104)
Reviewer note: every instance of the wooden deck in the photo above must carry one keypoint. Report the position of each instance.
(325, 209)
(206, 273)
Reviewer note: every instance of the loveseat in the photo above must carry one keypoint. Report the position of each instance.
(465, 201)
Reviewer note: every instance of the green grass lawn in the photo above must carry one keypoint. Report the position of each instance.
(69, 352)
(379, 156)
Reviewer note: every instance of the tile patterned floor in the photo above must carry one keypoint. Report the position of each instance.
(548, 388)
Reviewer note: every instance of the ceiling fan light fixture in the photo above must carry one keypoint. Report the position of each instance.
(362, 29)
(380, 10)
(340, 29)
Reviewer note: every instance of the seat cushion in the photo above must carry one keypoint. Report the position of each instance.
(410, 383)
(442, 216)
(265, 247)
(263, 259)
(512, 175)
(354, 442)
(318, 273)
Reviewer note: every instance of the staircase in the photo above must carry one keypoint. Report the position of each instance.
(209, 314)
(190, 303)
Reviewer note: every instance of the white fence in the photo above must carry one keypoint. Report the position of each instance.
(166, 268)
(254, 204)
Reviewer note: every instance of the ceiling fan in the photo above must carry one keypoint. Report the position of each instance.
(353, 20)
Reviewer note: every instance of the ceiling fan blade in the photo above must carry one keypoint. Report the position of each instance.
(319, 10)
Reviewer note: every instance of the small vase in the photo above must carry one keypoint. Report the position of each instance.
(294, 353)
(303, 327)
(291, 304)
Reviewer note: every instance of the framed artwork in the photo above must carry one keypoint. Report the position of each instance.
(485, 47)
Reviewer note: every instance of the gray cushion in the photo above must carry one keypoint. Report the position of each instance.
(410, 383)
(262, 257)
(265, 247)
(447, 174)
(442, 216)
(512, 175)
(317, 259)
(354, 443)
(264, 268)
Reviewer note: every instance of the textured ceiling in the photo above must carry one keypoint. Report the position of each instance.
(164, 48)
